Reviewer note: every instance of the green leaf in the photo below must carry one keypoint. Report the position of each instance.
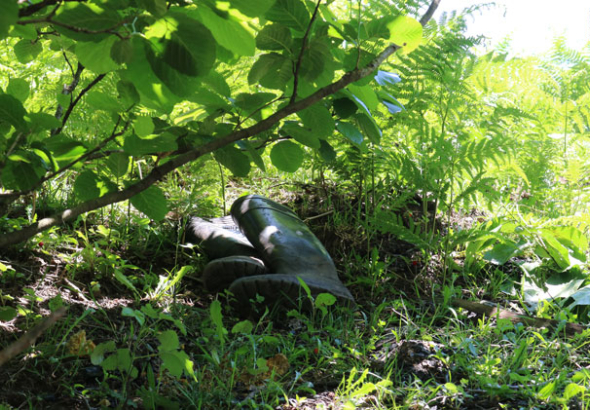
(156, 7)
(86, 186)
(27, 50)
(344, 107)
(547, 391)
(124, 280)
(118, 163)
(227, 32)
(501, 253)
(324, 299)
(217, 319)
(8, 16)
(89, 16)
(286, 156)
(327, 153)
(7, 313)
(366, 94)
(253, 153)
(18, 88)
(234, 160)
(190, 49)
(350, 132)
(43, 121)
(122, 51)
(176, 363)
(152, 144)
(97, 355)
(103, 101)
(318, 119)
(97, 56)
(274, 37)
(153, 94)
(290, 13)
(406, 32)
(27, 32)
(558, 252)
(302, 135)
(127, 93)
(143, 126)
(271, 71)
(151, 202)
(138, 315)
(168, 341)
(245, 327)
(252, 8)
(572, 390)
(251, 102)
(369, 127)
(22, 171)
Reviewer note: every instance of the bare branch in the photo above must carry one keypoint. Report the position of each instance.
(29, 338)
(301, 51)
(68, 90)
(429, 13)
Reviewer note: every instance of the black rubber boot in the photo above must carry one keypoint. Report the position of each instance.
(232, 255)
(289, 250)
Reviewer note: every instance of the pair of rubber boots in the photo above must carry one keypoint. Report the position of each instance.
(273, 250)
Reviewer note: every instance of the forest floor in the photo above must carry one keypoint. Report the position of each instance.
(128, 340)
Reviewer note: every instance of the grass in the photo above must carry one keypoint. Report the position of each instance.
(141, 332)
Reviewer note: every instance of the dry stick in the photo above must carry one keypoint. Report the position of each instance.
(491, 311)
(161, 171)
(29, 338)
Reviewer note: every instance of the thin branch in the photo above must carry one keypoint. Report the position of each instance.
(68, 90)
(73, 103)
(301, 51)
(430, 12)
(162, 170)
(29, 338)
(110, 30)
(33, 8)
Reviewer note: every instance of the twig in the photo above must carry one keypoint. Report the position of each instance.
(301, 51)
(48, 20)
(311, 218)
(73, 103)
(68, 90)
(494, 311)
(29, 338)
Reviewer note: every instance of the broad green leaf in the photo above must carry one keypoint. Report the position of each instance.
(245, 327)
(324, 299)
(42, 121)
(89, 16)
(406, 32)
(97, 355)
(27, 50)
(64, 148)
(103, 101)
(8, 16)
(122, 51)
(271, 71)
(301, 134)
(118, 163)
(581, 297)
(153, 94)
(290, 13)
(315, 58)
(254, 154)
(385, 78)
(27, 32)
(227, 32)
(18, 88)
(252, 8)
(286, 156)
(234, 160)
(547, 391)
(86, 186)
(217, 319)
(97, 56)
(392, 108)
(327, 153)
(344, 107)
(558, 252)
(7, 313)
(318, 119)
(127, 93)
(572, 390)
(151, 202)
(168, 341)
(143, 126)
(138, 315)
(177, 362)
(501, 253)
(274, 37)
(366, 94)
(156, 7)
(369, 127)
(22, 172)
(350, 132)
(250, 102)
(152, 144)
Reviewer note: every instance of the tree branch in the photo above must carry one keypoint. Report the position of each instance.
(430, 12)
(161, 171)
(33, 8)
(301, 51)
(68, 90)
